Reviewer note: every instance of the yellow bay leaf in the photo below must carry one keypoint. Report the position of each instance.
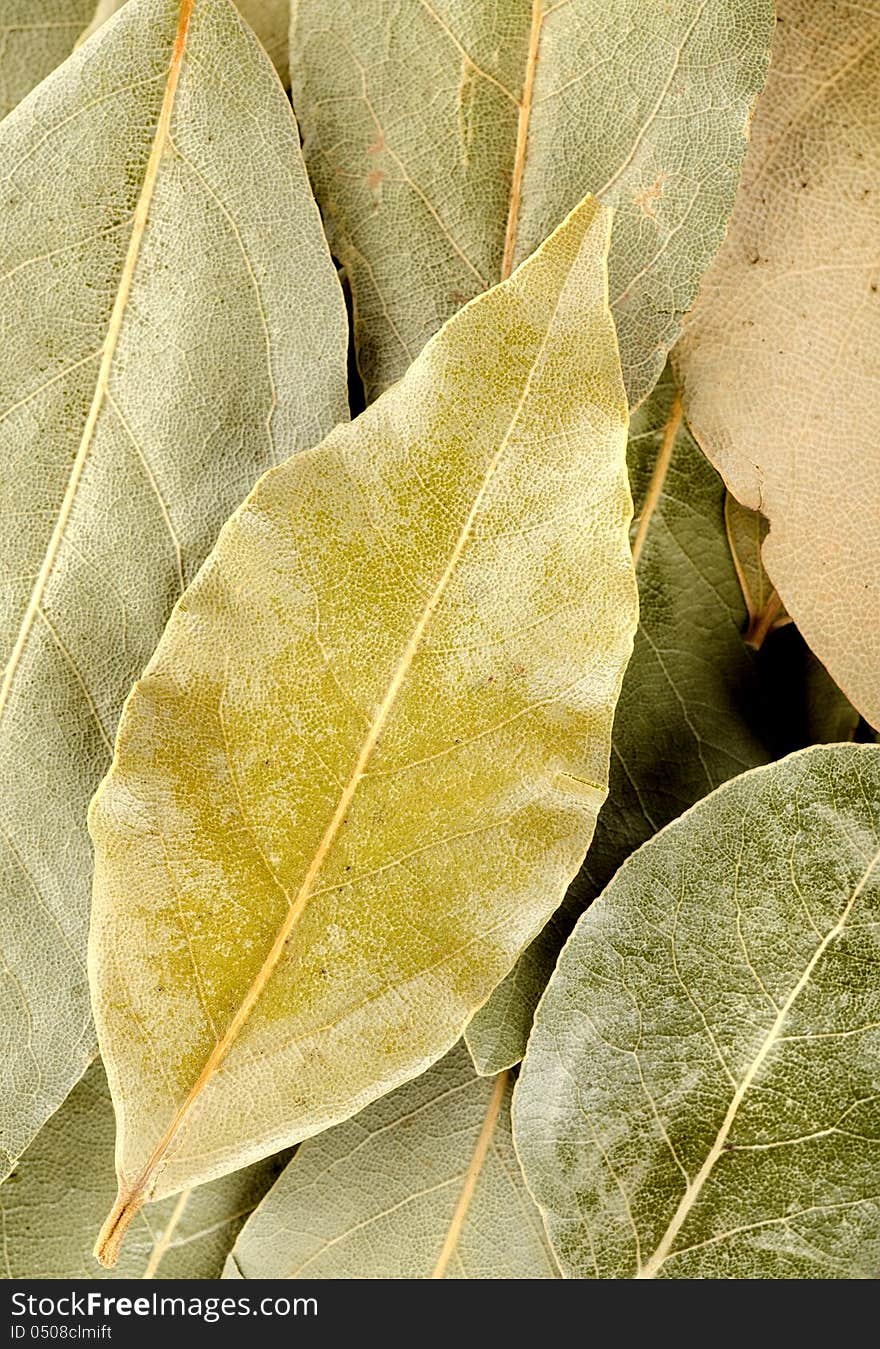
(367, 757)
(155, 221)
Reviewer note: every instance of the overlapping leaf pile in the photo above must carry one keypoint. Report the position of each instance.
(378, 716)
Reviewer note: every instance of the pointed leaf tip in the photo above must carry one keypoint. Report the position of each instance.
(342, 798)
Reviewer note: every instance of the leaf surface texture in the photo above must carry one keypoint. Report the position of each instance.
(35, 37)
(431, 198)
(155, 220)
(689, 712)
(270, 20)
(699, 1096)
(424, 1183)
(779, 360)
(53, 1203)
(367, 757)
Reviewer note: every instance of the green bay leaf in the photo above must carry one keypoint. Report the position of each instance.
(422, 1184)
(155, 221)
(367, 756)
(53, 1202)
(700, 1097)
(446, 141)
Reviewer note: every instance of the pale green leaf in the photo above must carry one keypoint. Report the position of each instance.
(367, 757)
(696, 707)
(35, 37)
(701, 1093)
(423, 1184)
(270, 20)
(171, 326)
(445, 141)
(779, 361)
(53, 1203)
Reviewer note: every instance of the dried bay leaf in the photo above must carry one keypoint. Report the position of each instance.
(699, 1098)
(54, 1201)
(155, 221)
(367, 756)
(429, 198)
(35, 37)
(696, 707)
(422, 1184)
(689, 706)
(779, 360)
(270, 20)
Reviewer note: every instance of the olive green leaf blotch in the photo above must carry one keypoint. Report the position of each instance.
(367, 757)
(699, 1098)
(445, 141)
(422, 1184)
(171, 325)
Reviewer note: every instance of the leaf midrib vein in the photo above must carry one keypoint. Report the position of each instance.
(471, 1176)
(110, 344)
(522, 139)
(131, 1199)
(658, 477)
(664, 1250)
(164, 1241)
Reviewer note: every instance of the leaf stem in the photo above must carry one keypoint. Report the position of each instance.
(115, 1227)
(658, 477)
